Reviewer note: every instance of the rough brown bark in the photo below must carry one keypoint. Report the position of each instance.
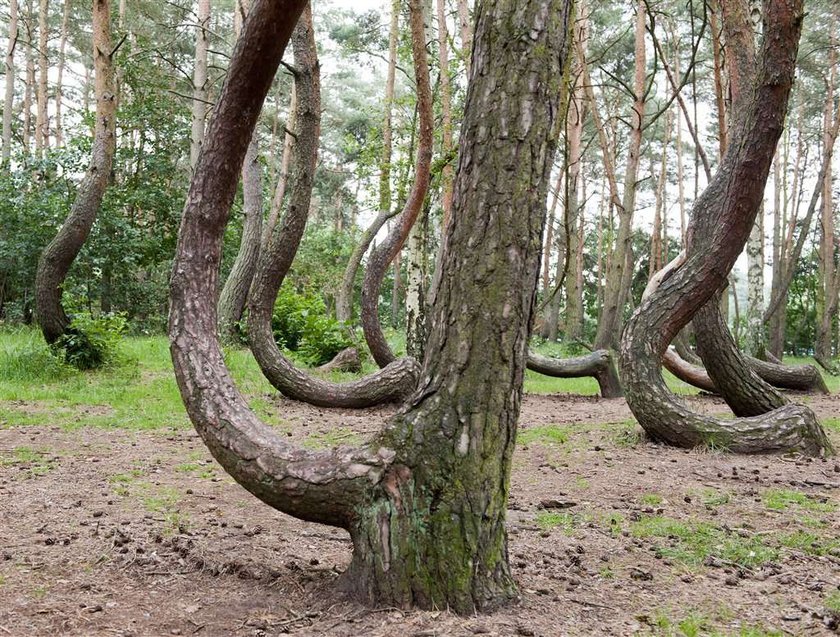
(425, 501)
(385, 252)
(59, 255)
(731, 200)
(599, 365)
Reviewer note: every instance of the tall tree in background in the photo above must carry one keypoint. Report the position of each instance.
(9, 97)
(199, 81)
(59, 255)
(234, 293)
(425, 501)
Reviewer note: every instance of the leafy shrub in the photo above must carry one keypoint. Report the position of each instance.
(300, 323)
(91, 342)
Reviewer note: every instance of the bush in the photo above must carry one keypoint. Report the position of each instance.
(300, 323)
(91, 342)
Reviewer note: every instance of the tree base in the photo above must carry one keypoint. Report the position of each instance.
(599, 365)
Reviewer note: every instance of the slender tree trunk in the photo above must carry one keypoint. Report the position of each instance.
(828, 270)
(59, 255)
(466, 28)
(9, 99)
(415, 288)
(59, 84)
(283, 177)
(575, 119)
(447, 172)
(30, 80)
(42, 126)
(385, 252)
(775, 339)
(617, 278)
(395, 291)
(721, 223)
(425, 502)
(344, 305)
(199, 81)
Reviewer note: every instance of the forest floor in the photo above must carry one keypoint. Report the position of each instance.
(115, 520)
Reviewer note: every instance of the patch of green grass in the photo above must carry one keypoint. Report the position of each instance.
(651, 499)
(712, 498)
(780, 499)
(832, 601)
(614, 522)
(567, 522)
(160, 499)
(199, 470)
(831, 423)
(692, 542)
(544, 435)
(809, 543)
(33, 461)
(332, 438)
(137, 393)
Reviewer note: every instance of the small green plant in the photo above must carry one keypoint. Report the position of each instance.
(712, 498)
(91, 342)
(300, 323)
(545, 435)
(809, 543)
(832, 602)
(651, 499)
(567, 522)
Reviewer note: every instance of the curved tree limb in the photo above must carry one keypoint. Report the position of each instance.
(391, 384)
(425, 502)
(733, 198)
(385, 252)
(599, 364)
(59, 255)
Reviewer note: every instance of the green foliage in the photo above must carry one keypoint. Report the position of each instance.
(300, 323)
(91, 342)
(781, 499)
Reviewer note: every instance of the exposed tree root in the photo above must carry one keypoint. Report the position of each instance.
(347, 360)
(599, 365)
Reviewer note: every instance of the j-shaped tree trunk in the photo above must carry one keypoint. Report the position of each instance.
(385, 252)
(59, 255)
(390, 384)
(344, 303)
(599, 365)
(732, 200)
(234, 293)
(425, 500)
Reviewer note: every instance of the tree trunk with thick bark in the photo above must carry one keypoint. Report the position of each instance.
(731, 202)
(424, 501)
(59, 255)
(9, 98)
(385, 252)
(344, 304)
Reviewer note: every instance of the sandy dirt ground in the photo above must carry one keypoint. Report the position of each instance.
(109, 532)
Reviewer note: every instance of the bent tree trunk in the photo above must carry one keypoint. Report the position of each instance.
(425, 501)
(385, 252)
(59, 255)
(391, 384)
(733, 197)
(599, 364)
